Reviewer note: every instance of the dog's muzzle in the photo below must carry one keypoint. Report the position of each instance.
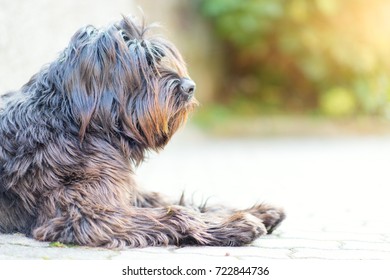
(187, 87)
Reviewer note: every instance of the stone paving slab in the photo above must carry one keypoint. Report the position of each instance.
(305, 253)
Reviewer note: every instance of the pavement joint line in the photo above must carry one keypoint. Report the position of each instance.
(292, 252)
(303, 247)
(243, 257)
(113, 256)
(313, 239)
(341, 244)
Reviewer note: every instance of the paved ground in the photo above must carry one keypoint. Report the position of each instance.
(335, 192)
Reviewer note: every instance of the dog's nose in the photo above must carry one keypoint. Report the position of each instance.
(187, 86)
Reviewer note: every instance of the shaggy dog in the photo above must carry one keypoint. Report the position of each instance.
(71, 137)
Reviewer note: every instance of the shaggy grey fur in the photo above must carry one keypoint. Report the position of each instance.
(71, 136)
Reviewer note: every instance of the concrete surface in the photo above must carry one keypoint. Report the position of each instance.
(334, 190)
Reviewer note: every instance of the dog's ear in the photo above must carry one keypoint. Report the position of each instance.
(101, 74)
(88, 64)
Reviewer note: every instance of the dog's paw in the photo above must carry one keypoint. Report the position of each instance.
(239, 229)
(269, 215)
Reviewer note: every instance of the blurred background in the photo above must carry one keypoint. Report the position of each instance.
(262, 67)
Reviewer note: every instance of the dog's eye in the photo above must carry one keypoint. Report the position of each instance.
(158, 53)
(124, 36)
(153, 54)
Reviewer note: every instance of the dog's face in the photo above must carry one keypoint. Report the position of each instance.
(118, 81)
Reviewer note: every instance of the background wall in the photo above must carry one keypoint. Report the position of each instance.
(32, 33)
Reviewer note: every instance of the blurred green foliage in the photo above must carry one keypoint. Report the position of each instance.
(327, 57)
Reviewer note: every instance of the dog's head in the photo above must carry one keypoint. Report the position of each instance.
(118, 80)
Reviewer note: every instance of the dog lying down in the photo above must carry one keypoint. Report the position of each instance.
(72, 135)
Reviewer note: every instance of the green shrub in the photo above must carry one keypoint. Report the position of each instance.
(305, 54)
(338, 102)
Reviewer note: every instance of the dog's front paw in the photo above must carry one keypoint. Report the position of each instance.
(269, 215)
(239, 229)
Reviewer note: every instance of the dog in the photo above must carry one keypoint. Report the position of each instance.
(72, 136)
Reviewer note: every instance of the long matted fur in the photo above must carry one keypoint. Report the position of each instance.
(71, 136)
